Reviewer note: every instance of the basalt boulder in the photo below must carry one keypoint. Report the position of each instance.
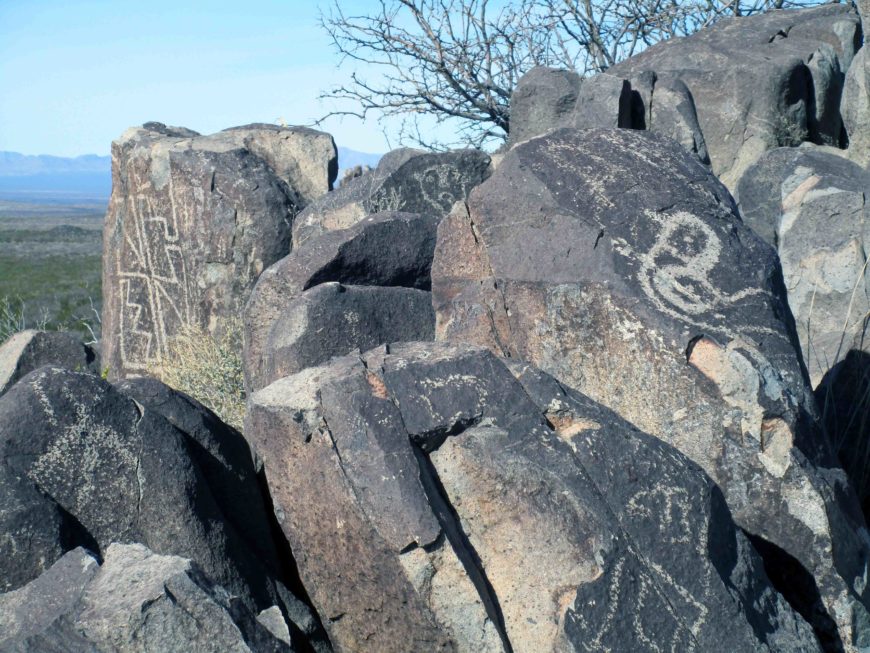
(438, 498)
(759, 82)
(333, 320)
(615, 261)
(811, 206)
(84, 464)
(549, 98)
(405, 180)
(384, 249)
(28, 350)
(135, 600)
(192, 222)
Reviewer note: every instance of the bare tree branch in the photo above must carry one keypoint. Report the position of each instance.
(458, 61)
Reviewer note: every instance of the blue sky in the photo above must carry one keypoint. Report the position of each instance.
(75, 73)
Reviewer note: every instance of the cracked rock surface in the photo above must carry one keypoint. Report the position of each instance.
(615, 261)
(440, 498)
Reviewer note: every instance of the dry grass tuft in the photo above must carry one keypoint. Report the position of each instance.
(209, 369)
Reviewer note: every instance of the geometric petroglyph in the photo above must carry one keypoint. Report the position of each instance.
(153, 281)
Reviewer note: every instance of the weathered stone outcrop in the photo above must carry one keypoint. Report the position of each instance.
(28, 350)
(855, 107)
(82, 464)
(384, 249)
(727, 93)
(617, 262)
(192, 222)
(333, 320)
(135, 601)
(436, 502)
(404, 180)
(811, 206)
(755, 83)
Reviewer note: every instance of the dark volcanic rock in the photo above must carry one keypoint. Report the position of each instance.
(28, 350)
(435, 502)
(617, 262)
(192, 222)
(135, 601)
(333, 320)
(542, 100)
(85, 465)
(760, 82)
(405, 180)
(385, 249)
(811, 205)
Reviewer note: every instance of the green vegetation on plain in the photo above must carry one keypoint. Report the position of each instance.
(50, 272)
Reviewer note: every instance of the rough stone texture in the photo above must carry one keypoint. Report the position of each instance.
(548, 98)
(192, 222)
(305, 159)
(404, 180)
(333, 320)
(135, 601)
(384, 249)
(855, 108)
(435, 502)
(27, 350)
(85, 465)
(543, 98)
(760, 82)
(611, 259)
(811, 206)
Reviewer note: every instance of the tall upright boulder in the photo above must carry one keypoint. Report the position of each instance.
(811, 205)
(438, 499)
(406, 180)
(616, 261)
(192, 222)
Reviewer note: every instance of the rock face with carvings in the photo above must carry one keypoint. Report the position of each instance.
(727, 93)
(441, 499)
(811, 206)
(192, 222)
(83, 463)
(388, 249)
(405, 180)
(615, 261)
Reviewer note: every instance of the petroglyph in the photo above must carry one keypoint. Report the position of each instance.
(675, 273)
(437, 188)
(152, 276)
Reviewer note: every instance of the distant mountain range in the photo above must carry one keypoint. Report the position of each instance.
(50, 179)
